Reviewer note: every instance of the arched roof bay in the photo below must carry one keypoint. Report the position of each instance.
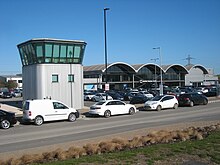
(150, 66)
(123, 66)
(191, 66)
(176, 67)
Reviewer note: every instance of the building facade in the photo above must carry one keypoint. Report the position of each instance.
(16, 78)
(52, 68)
(121, 75)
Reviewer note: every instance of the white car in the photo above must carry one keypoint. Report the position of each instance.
(88, 96)
(147, 94)
(161, 102)
(101, 96)
(40, 111)
(112, 107)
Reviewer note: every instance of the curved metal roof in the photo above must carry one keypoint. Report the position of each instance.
(121, 65)
(150, 66)
(189, 67)
(176, 67)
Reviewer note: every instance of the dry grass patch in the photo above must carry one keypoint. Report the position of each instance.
(116, 144)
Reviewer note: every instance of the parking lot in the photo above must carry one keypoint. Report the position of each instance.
(15, 104)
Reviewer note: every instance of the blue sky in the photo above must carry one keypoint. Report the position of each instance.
(134, 27)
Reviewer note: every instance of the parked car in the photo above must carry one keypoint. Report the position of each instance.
(161, 102)
(112, 107)
(139, 99)
(191, 99)
(101, 96)
(6, 95)
(88, 96)
(40, 111)
(147, 94)
(128, 96)
(7, 119)
(211, 92)
(16, 94)
(116, 96)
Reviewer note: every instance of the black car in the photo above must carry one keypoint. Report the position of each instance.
(139, 99)
(192, 99)
(6, 95)
(7, 119)
(116, 96)
(211, 92)
(128, 96)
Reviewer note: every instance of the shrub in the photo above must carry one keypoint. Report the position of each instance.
(92, 149)
(75, 152)
(106, 146)
(120, 144)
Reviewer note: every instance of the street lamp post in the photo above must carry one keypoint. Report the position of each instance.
(106, 59)
(161, 75)
(155, 72)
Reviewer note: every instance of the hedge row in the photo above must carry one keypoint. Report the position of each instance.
(116, 144)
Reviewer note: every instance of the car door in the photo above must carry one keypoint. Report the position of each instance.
(115, 107)
(111, 105)
(167, 102)
(200, 99)
(60, 111)
(121, 107)
(196, 98)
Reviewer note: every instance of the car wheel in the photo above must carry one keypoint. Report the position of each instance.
(191, 104)
(93, 99)
(175, 106)
(107, 114)
(159, 108)
(72, 117)
(205, 102)
(5, 124)
(38, 120)
(131, 111)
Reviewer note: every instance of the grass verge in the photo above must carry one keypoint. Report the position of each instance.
(206, 150)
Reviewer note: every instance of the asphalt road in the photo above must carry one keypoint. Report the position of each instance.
(29, 136)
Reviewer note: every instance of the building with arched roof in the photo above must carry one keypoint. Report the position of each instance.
(121, 75)
(199, 75)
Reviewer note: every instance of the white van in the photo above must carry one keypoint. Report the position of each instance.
(40, 111)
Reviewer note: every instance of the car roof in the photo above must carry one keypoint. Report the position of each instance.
(40, 100)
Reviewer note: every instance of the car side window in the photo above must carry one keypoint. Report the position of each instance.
(170, 97)
(57, 105)
(120, 103)
(167, 98)
(111, 103)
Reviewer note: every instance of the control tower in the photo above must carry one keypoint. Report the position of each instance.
(52, 68)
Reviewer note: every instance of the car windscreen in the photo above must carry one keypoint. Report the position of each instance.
(100, 103)
(156, 98)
